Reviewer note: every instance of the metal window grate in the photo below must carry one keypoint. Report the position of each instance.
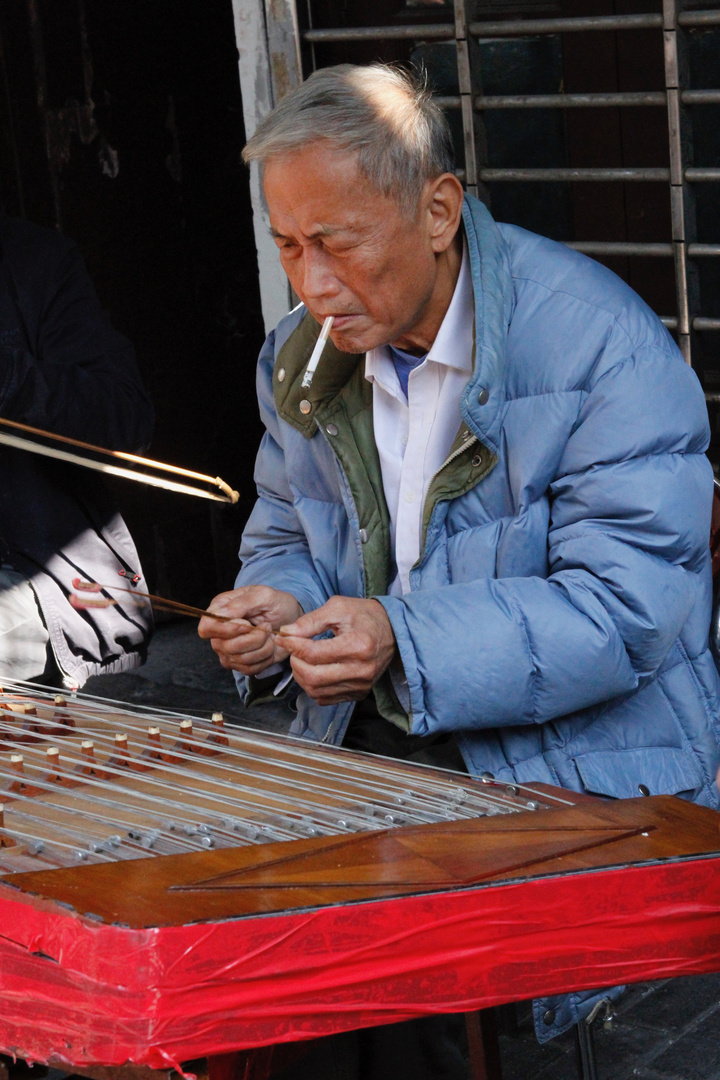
(680, 176)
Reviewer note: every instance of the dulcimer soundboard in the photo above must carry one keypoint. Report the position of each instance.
(173, 888)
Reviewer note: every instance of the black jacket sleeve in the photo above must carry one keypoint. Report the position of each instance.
(62, 365)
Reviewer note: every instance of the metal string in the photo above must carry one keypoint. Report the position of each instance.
(435, 800)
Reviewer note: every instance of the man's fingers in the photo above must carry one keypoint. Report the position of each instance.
(248, 662)
(317, 676)
(342, 681)
(308, 626)
(211, 628)
(325, 651)
(263, 652)
(343, 667)
(242, 644)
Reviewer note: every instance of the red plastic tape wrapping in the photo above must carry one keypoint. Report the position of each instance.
(84, 993)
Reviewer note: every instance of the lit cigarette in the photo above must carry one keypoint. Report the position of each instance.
(317, 352)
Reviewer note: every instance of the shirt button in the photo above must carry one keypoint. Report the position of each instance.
(281, 375)
(483, 397)
(364, 536)
(477, 460)
(305, 406)
(332, 429)
(549, 1017)
(409, 496)
(404, 440)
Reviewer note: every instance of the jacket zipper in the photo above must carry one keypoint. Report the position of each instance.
(456, 453)
(470, 441)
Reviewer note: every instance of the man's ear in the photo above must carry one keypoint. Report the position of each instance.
(443, 201)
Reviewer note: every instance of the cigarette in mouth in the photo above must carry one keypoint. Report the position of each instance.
(317, 352)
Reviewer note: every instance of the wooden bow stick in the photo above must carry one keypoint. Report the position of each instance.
(159, 603)
(21, 443)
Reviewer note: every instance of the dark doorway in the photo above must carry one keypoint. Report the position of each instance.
(121, 125)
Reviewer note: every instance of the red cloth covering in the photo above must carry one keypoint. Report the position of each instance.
(77, 992)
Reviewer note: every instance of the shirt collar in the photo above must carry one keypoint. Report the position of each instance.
(453, 345)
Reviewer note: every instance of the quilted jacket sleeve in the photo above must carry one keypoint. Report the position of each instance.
(628, 557)
(274, 549)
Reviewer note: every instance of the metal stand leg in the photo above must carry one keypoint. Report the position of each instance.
(585, 1051)
(483, 1045)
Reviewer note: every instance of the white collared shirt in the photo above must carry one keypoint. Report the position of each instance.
(414, 436)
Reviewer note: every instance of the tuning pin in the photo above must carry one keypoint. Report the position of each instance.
(60, 716)
(121, 756)
(217, 736)
(19, 785)
(89, 766)
(154, 745)
(23, 708)
(52, 776)
(26, 711)
(186, 733)
(5, 841)
(153, 751)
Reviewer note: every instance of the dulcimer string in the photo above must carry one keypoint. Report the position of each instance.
(421, 805)
(249, 747)
(163, 809)
(250, 744)
(218, 490)
(231, 811)
(231, 792)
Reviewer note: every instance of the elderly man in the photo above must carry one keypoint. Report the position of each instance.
(486, 521)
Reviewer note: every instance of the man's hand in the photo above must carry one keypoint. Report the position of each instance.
(246, 644)
(346, 666)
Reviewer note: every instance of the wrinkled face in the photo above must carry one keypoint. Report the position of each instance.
(350, 252)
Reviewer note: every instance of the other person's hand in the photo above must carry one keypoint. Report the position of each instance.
(246, 644)
(346, 666)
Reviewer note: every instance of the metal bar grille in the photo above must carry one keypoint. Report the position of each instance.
(628, 247)
(465, 86)
(582, 101)
(679, 176)
(511, 28)
(620, 175)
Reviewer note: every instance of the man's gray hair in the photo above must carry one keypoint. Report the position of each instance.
(380, 113)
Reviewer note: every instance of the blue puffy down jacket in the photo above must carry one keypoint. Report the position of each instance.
(559, 612)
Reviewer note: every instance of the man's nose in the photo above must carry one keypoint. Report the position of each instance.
(319, 278)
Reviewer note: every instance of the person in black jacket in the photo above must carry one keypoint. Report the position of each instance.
(65, 369)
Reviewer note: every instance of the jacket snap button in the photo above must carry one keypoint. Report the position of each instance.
(483, 397)
(643, 789)
(305, 406)
(332, 429)
(549, 1017)
(364, 537)
(477, 460)
(281, 375)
